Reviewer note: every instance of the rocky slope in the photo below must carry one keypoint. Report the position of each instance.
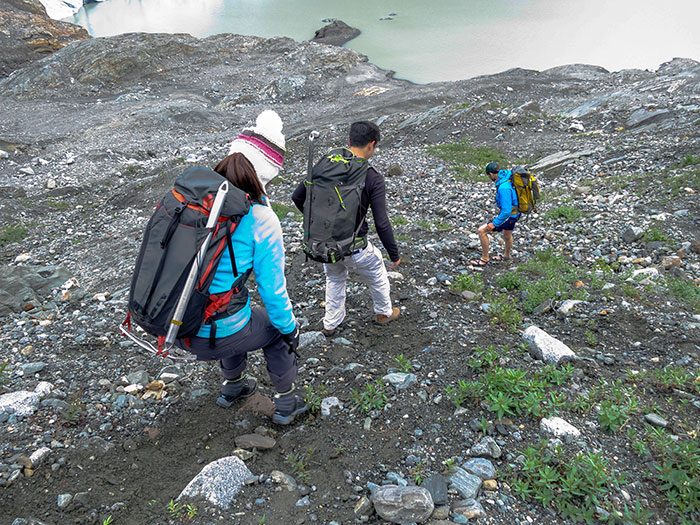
(28, 34)
(92, 136)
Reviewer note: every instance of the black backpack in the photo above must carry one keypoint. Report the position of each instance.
(332, 205)
(170, 243)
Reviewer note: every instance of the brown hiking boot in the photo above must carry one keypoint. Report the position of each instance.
(383, 319)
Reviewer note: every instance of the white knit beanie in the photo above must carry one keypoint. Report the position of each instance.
(262, 145)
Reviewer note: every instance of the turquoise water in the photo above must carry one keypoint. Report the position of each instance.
(439, 40)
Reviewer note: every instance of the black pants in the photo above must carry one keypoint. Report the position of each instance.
(232, 351)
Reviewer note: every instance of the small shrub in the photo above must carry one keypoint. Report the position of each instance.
(504, 310)
(314, 398)
(685, 290)
(403, 363)
(655, 235)
(569, 213)
(510, 281)
(399, 221)
(373, 397)
(470, 282)
(300, 463)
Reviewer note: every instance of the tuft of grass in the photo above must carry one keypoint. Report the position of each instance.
(300, 464)
(569, 213)
(282, 210)
(12, 233)
(510, 281)
(399, 221)
(314, 398)
(467, 161)
(685, 290)
(655, 235)
(690, 160)
(554, 280)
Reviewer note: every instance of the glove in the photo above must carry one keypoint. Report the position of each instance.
(292, 339)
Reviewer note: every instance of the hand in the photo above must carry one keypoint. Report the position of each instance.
(395, 264)
(292, 339)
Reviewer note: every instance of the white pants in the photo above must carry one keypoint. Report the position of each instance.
(369, 264)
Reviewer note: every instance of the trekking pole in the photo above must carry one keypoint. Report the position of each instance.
(312, 136)
(176, 321)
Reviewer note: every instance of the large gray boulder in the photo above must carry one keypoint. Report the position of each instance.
(21, 285)
(219, 482)
(545, 347)
(403, 504)
(336, 33)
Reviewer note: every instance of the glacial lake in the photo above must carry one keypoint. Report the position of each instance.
(429, 41)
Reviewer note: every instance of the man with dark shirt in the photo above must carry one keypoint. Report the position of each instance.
(366, 260)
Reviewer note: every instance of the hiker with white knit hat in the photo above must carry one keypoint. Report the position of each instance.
(255, 158)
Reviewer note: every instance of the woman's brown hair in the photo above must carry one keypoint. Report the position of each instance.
(240, 172)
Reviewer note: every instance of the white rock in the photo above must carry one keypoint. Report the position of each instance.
(4, 154)
(38, 456)
(27, 171)
(651, 273)
(43, 388)
(328, 403)
(219, 482)
(545, 347)
(309, 339)
(51, 184)
(395, 276)
(22, 403)
(560, 428)
(22, 257)
(568, 305)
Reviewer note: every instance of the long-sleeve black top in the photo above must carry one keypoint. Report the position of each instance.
(373, 196)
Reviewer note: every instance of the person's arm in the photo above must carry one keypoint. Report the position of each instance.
(268, 265)
(299, 196)
(377, 201)
(505, 201)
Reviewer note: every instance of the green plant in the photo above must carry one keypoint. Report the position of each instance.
(109, 520)
(655, 235)
(314, 398)
(403, 363)
(576, 486)
(484, 425)
(510, 281)
(501, 403)
(300, 463)
(466, 161)
(174, 509)
(373, 397)
(423, 224)
(12, 233)
(503, 309)
(450, 467)
(470, 282)
(72, 414)
(399, 221)
(3, 377)
(282, 211)
(591, 338)
(418, 473)
(689, 160)
(685, 290)
(483, 357)
(58, 205)
(569, 213)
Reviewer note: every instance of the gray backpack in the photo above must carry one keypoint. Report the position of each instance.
(332, 206)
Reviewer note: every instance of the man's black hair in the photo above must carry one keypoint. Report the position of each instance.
(363, 132)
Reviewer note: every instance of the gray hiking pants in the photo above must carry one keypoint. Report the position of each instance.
(369, 265)
(232, 351)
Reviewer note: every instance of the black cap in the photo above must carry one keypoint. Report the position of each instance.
(492, 167)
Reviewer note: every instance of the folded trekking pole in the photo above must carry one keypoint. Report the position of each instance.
(312, 136)
(176, 321)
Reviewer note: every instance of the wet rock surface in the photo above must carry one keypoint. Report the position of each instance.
(95, 133)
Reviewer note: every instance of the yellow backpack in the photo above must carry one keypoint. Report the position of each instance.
(526, 187)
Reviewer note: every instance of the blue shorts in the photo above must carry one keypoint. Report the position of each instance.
(508, 225)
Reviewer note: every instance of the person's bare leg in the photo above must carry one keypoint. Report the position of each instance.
(508, 240)
(484, 239)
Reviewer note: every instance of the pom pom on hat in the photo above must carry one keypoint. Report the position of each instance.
(263, 145)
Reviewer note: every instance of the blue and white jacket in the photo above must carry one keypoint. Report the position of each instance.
(257, 244)
(506, 198)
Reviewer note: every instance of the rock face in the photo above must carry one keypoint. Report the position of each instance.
(218, 482)
(336, 33)
(21, 286)
(403, 504)
(28, 34)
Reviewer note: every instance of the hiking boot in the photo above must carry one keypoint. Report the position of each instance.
(329, 333)
(287, 406)
(384, 319)
(235, 389)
